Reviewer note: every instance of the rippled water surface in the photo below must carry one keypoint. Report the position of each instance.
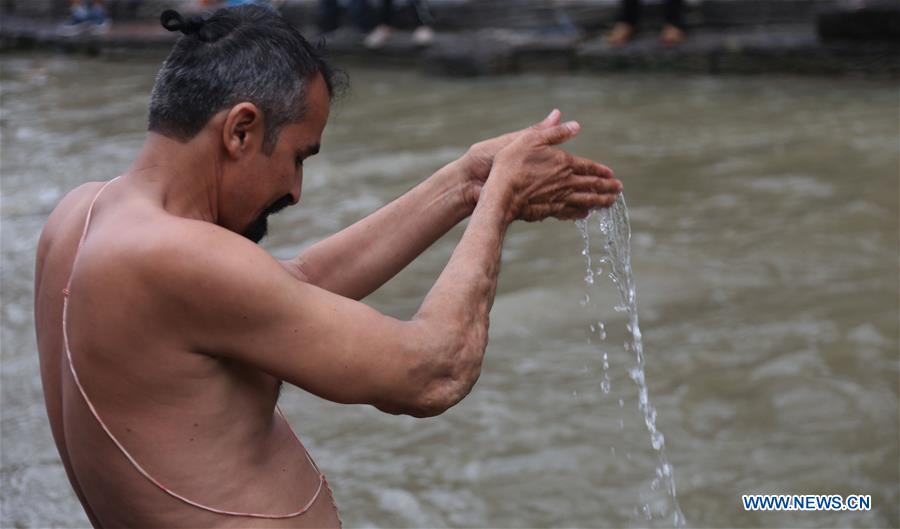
(764, 216)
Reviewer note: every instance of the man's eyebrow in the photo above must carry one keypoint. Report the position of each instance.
(312, 150)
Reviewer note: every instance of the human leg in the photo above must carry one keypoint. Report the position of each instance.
(423, 35)
(630, 12)
(98, 18)
(673, 29)
(673, 13)
(327, 19)
(361, 14)
(626, 25)
(79, 20)
(382, 32)
(386, 13)
(423, 13)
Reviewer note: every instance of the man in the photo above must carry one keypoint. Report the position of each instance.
(165, 332)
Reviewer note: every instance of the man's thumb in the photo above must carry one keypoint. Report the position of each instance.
(560, 133)
(549, 121)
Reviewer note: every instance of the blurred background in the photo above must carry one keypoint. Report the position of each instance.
(760, 150)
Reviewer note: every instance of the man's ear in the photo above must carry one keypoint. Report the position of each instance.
(243, 130)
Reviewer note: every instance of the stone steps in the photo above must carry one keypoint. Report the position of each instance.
(479, 14)
(717, 46)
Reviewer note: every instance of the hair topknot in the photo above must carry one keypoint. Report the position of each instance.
(189, 25)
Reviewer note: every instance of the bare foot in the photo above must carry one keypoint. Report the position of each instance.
(620, 34)
(671, 35)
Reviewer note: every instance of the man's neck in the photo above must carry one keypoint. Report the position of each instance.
(183, 177)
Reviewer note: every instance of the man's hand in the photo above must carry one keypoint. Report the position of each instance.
(479, 159)
(545, 181)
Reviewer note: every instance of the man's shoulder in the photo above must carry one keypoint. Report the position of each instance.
(173, 247)
(67, 210)
(194, 260)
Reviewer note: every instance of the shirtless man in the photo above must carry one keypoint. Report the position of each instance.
(178, 329)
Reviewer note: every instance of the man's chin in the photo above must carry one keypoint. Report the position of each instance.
(260, 227)
(257, 230)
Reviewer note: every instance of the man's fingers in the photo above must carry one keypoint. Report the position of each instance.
(583, 199)
(573, 213)
(583, 182)
(559, 133)
(585, 166)
(551, 120)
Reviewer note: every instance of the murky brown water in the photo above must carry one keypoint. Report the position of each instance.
(765, 220)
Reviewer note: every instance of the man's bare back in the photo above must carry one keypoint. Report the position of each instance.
(181, 328)
(205, 427)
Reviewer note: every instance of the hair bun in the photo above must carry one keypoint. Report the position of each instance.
(173, 21)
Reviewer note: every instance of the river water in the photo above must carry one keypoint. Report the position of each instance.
(764, 218)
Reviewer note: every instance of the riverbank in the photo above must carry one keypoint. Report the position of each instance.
(480, 38)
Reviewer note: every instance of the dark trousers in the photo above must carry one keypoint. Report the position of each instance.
(423, 15)
(672, 12)
(362, 17)
(330, 15)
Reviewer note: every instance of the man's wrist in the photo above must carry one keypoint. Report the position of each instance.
(497, 193)
(453, 182)
(459, 176)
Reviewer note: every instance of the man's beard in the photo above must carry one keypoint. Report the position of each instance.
(258, 229)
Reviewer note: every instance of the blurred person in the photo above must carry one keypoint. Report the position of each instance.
(165, 332)
(87, 17)
(234, 3)
(422, 36)
(629, 18)
(329, 17)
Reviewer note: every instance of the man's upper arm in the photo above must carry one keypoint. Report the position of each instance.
(232, 299)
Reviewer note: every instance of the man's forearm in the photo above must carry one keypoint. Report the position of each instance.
(359, 259)
(453, 320)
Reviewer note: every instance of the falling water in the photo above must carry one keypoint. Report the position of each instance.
(616, 232)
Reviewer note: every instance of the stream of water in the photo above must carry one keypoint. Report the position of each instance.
(615, 232)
